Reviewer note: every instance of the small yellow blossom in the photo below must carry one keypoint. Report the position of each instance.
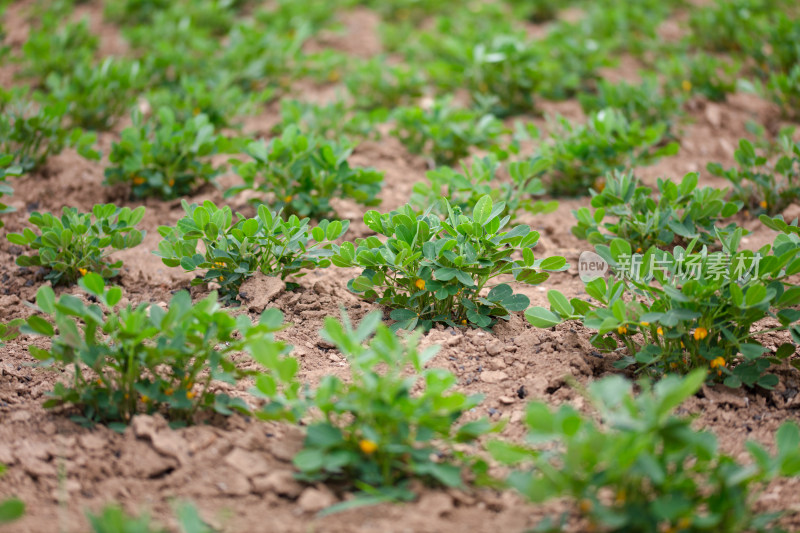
(420, 284)
(145, 398)
(763, 204)
(718, 362)
(622, 330)
(367, 446)
(288, 198)
(172, 182)
(138, 180)
(83, 271)
(585, 505)
(599, 184)
(645, 324)
(100, 382)
(639, 250)
(700, 333)
(660, 331)
(190, 394)
(673, 365)
(683, 345)
(686, 85)
(169, 391)
(464, 321)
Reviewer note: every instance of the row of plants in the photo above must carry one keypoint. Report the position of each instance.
(643, 469)
(684, 295)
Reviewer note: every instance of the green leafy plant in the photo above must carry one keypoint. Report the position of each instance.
(74, 244)
(646, 102)
(580, 154)
(302, 173)
(383, 427)
(444, 132)
(7, 169)
(31, 133)
(785, 91)
(464, 189)
(374, 84)
(436, 271)
(710, 76)
(144, 359)
(233, 252)
(761, 186)
(11, 509)
(644, 469)
(97, 95)
(212, 96)
(678, 213)
(679, 311)
(330, 120)
(163, 157)
(113, 519)
(56, 46)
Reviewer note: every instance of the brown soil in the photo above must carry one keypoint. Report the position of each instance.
(238, 471)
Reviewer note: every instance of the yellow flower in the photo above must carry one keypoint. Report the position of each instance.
(718, 362)
(171, 182)
(190, 395)
(99, 382)
(639, 250)
(145, 398)
(660, 331)
(138, 180)
(763, 204)
(196, 111)
(700, 333)
(367, 446)
(464, 321)
(83, 271)
(622, 330)
(220, 264)
(169, 391)
(686, 85)
(599, 184)
(645, 324)
(673, 365)
(420, 283)
(288, 199)
(585, 505)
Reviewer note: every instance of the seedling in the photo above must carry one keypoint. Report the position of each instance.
(163, 157)
(581, 154)
(300, 174)
(677, 214)
(78, 243)
(761, 185)
(644, 469)
(382, 428)
(445, 133)
(144, 359)
(464, 189)
(233, 252)
(435, 271)
(676, 312)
